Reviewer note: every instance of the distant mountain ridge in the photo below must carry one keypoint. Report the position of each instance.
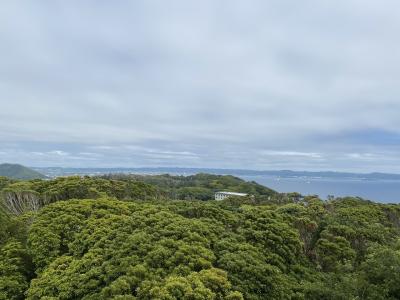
(16, 171)
(57, 171)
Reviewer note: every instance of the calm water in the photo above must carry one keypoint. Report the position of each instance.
(387, 191)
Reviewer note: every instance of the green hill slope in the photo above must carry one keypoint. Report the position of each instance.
(19, 172)
(98, 238)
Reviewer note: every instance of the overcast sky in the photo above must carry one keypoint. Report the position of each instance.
(303, 85)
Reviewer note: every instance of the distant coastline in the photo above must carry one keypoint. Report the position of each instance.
(59, 171)
(378, 187)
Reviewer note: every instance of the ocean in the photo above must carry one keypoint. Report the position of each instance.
(384, 191)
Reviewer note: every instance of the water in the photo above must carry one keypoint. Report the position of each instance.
(385, 191)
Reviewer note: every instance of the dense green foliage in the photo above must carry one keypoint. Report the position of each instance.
(22, 196)
(19, 172)
(199, 186)
(129, 240)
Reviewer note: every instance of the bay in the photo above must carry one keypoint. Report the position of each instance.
(384, 191)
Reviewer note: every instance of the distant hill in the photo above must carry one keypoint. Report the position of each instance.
(19, 172)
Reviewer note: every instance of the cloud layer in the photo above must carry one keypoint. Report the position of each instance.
(240, 84)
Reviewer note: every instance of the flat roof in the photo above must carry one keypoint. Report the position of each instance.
(232, 193)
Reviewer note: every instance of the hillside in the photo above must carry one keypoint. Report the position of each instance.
(15, 171)
(197, 187)
(129, 238)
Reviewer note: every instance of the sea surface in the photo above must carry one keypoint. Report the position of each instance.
(385, 191)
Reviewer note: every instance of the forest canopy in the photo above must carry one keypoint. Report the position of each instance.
(163, 237)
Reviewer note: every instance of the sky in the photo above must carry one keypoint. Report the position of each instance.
(265, 85)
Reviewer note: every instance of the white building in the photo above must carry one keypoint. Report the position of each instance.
(224, 195)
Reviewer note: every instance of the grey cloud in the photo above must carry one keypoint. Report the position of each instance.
(218, 82)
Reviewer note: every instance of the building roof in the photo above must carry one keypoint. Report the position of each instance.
(231, 193)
